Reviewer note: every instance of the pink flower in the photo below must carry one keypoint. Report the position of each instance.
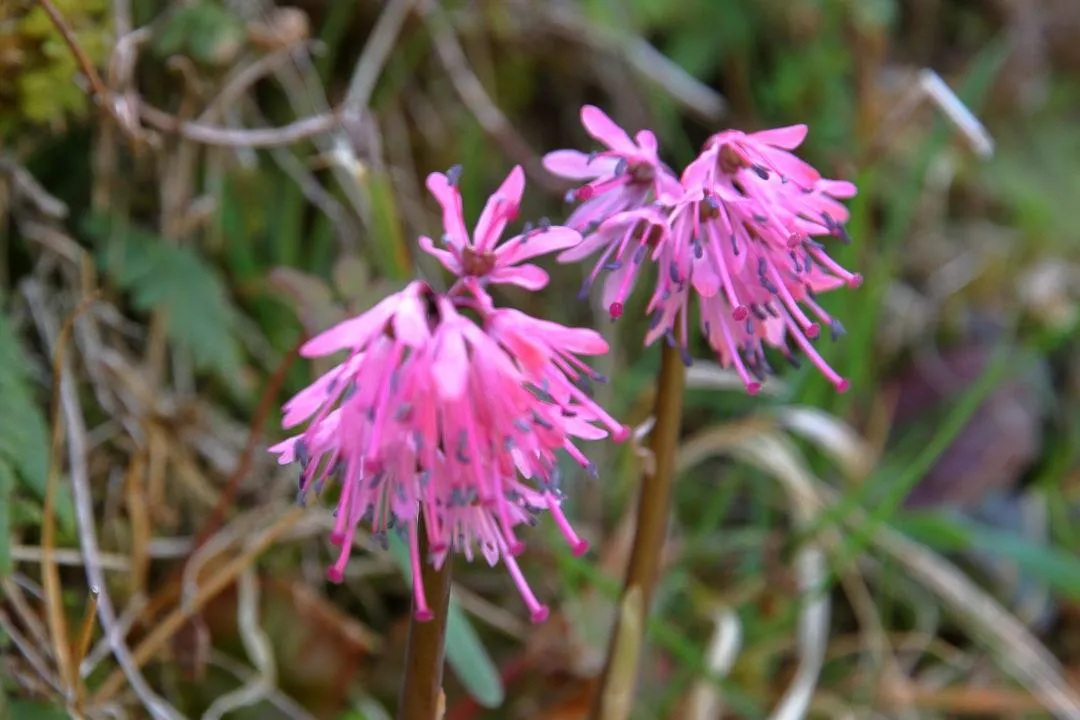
(764, 153)
(481, 256)
(436, 416)
(738, 230)
(625, 176)
(750, 228)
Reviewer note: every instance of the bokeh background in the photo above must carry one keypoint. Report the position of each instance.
(242, 173)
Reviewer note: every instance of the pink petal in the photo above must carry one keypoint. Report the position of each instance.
(585, 248)
(304, 404)
(580, 341)
(529, 277)
(601, 127)
(619, 285)
(668, 188)
(354, 333)
(410, 322)
(449, 198)
(788, 138)
(575, 165)
(646, 141)
(537, 242)
(705, 279)
(701, 170)
(837, 188)
(285, 450)
(584, 430)
(793, 168)
(500, 208)
(451, 364)
(445, 257)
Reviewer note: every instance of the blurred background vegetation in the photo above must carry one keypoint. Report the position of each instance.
(243, 172)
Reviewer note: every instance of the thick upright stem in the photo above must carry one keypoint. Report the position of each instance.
(421, 688)
(614, 698)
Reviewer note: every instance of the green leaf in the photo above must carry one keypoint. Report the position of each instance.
(24, 438)
(465, 653)
(470, 660)
(1058, 569)
(390, 244)
(174, 280)
(32, 710)
(935, 529)
(7, 493)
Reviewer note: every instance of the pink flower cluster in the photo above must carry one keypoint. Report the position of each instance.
(739, 229)
(448, 409)
(447, 414)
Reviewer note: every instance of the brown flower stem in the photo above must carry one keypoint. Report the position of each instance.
(614, 697)
(421, 689)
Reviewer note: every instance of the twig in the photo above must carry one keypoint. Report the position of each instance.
(50, 574)
(376, 51)
(645, 59)
(28, 186)
(654, 499)
(266, 404)
(316, 194)
(176, 619)
(109, 561)
(67, 398)
(123, 626)
(258, 647)
(82, 645)
(421, 690)
(13, 596)
(241, 82)
(275, 697)
(30, 652)
(100, 92)
(476, 98)
(216, 135)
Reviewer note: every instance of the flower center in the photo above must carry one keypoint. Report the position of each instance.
(730, 160)
(641, 173)
(477, 264)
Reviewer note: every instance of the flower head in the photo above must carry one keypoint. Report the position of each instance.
(457, 421)
(480, 255)
(739, 230)
(628, 174)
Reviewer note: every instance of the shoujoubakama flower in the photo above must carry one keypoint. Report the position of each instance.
(452, 410)
(626, 175)
(741, 233)
(481, 255)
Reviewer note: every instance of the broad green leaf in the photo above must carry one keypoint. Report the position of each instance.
(176, 281)
(24, 436)
(465, 653)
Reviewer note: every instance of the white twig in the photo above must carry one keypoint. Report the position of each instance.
(259, 650)
(29, 652)
(376, 52)
(934, 88)
(275, 697)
